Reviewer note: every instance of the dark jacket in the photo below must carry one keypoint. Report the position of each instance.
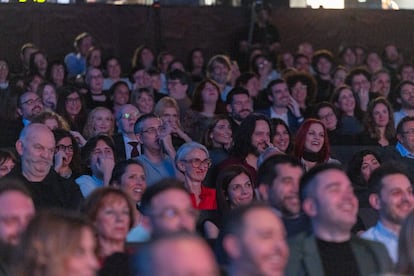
(372, 257)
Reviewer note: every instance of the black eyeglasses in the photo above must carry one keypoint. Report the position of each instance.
(61, 147)
(32, 101)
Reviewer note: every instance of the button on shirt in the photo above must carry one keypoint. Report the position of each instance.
(381, 234)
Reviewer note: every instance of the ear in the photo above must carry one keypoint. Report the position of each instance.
(139, 138)
(309, 207)
(228, 108)
(232, 247)
(399, 137)
(19, 111)
(19, 147)
(270, 98)
(181, 166)
(264, 192)
(374, 201)
(398, 100)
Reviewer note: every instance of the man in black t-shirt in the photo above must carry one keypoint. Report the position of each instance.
(328, 199)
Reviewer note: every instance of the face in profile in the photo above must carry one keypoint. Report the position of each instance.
(6, 165)
(83, 262)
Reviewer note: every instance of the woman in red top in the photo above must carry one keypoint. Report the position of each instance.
(193, 161)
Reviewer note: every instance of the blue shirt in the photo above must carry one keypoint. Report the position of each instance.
(385, 236)
(403, 151)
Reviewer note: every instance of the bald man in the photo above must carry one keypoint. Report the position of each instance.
(36, 148)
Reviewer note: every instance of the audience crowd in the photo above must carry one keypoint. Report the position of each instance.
(268, 161)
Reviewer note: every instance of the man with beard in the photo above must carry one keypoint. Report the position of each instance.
(403, 152)
(391, 194)
(239, 105)
(29, 104)
(251, 139)
(158, 152)
(278, 182)
(36, 148)
(16, 211)
(254, 239)
(330, 249)
(403, 96)
(283, 105)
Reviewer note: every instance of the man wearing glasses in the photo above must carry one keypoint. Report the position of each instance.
(167, 205)
(29, 105)
(126, 143)
(403, 152)
(158, 152)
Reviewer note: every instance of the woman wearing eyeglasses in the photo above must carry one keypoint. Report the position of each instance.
(67, 155)
(193, 161)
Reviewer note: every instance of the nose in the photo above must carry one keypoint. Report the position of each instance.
(187, 222)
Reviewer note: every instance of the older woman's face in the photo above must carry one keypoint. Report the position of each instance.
(83, 261)
(191, 170)
(133, 182)
(315, 138)
(113, 220)
(369, 164)
(102, 122)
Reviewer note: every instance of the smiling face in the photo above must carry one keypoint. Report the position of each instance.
(333, 204)
(73, 104)
(395, 200)
(281, 138)
(133, 181)
(191, 173)
(263, 247)
(102, 122)
(260, 137)
(299, 92)
(315, 138)
(121, 94)
(346, 102)
(222, 134)
(240, 190)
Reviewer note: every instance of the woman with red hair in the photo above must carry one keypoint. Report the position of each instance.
(312, 144)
